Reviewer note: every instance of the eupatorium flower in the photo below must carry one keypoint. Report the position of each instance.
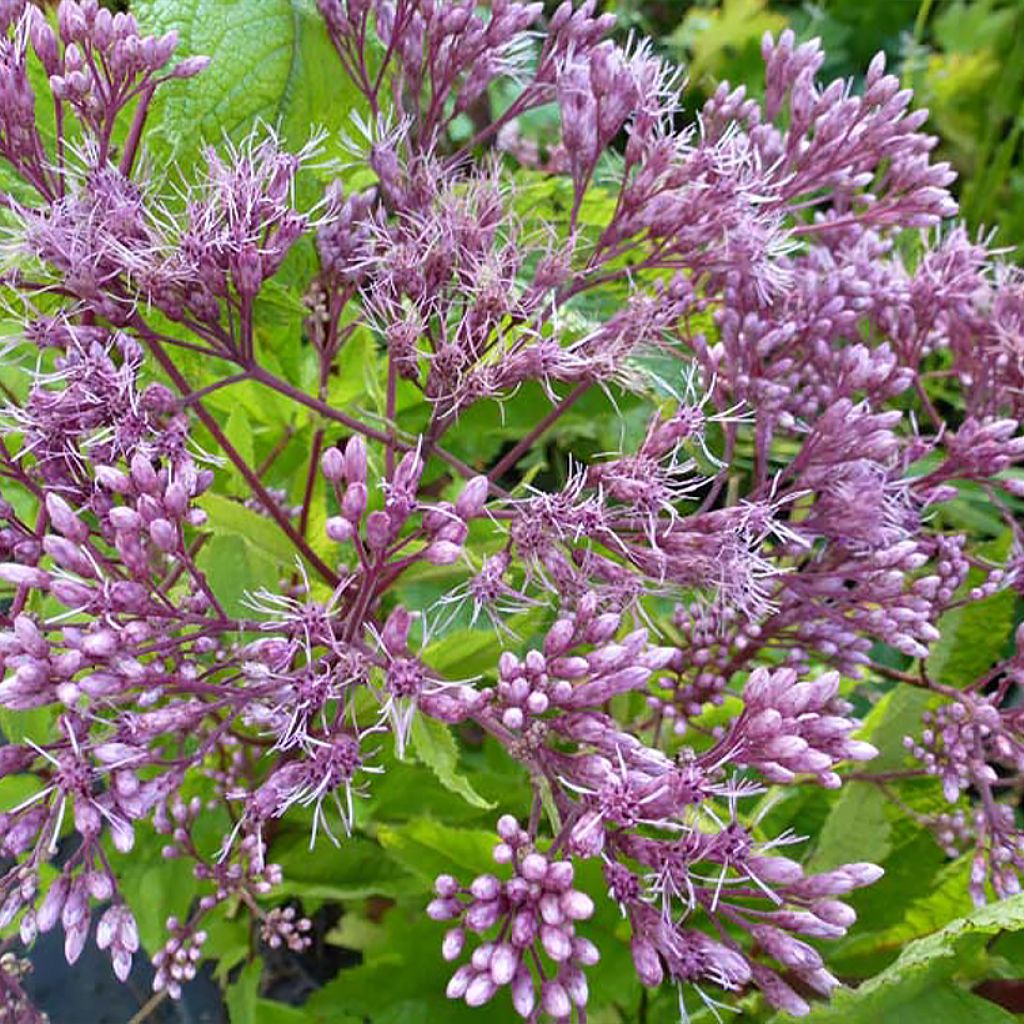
(674, 621)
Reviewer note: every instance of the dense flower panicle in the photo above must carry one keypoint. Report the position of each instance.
(777, 524)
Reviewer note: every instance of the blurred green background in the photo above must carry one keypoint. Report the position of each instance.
(964, 59)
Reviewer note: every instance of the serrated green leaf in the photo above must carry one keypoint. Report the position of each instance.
(916, 987)
(434, 745)
(354, 869)
(971, 639)
(231, 519)
(271, 61)
(429, 848)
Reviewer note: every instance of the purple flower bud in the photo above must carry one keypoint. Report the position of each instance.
(454, 940)
(190, 67)
(577, 906)
(395, 634)
(504, 963)
(53, 904)
(164, 534)
(332, 465)
(378, 530)
(524, 995)
(74, 941)
(443, 910)
(559, 875)
(339, 529)
(64, 519)
(508, 827)
(485, 887)
(602, 629)
(24, 576)
(646, 962)
(863, 874)
(482, 916)
(143, 475)
(471, 501)
(524, 929)
(555, 1000)
(68, 555)
(353, 503)
(559, 638)
(442, 552)
(778, 993)
(557, 944)
(534, 867)
(124, 518)
(550, 909)
(584, 952)
(575, 982)
(480, 990)
(459, 982)
(834, 912)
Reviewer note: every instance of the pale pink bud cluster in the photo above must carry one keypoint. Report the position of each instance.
(535, 912)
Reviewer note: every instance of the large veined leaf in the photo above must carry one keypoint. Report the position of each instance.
(919, 987)
(271, 61)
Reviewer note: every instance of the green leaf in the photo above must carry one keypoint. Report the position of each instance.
(709, 34)
(973, 636)
(231, 519)
(896, 715)
(946, 899)
(271, 61)
(246, 552)
(464, 653)
(971, 639)
(856, 829)
(228, 939)
(354, 869)
(246, 1007)
(233, 570)
(917, 986)
(434, 745)
(155, 889)
(34, 724)
(429, 848)
(401, 981)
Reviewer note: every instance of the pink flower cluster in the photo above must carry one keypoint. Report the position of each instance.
(774, 534)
